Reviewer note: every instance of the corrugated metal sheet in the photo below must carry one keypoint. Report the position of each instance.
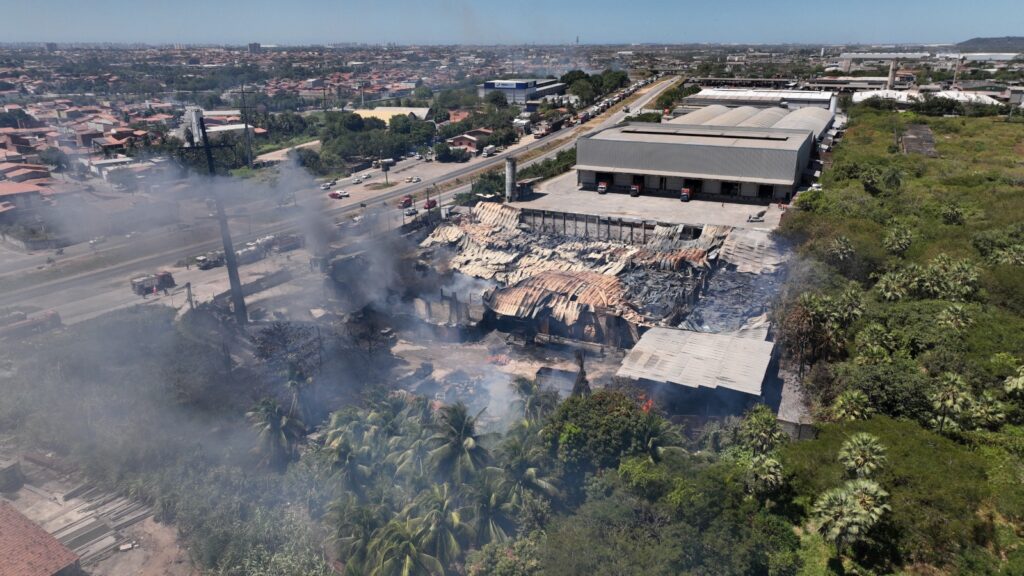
(699, 360)
(752, 250)
(732, 117)
(766, 118)
(565, 296)
(817, 120)
(700, 116)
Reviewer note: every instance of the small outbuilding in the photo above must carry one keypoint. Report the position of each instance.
(27, 550)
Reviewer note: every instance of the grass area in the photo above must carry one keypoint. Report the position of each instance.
(275, 146)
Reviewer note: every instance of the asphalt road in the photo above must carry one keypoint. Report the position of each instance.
(102, 269)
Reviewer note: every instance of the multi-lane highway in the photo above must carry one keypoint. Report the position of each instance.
(86, 271)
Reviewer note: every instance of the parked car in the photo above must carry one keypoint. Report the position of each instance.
(685, 195)
(325, 186)
(416, 179)
(356, 180)
(339, 194)
(408, 179)
(405, 202)
(419, 156)
(636, 189)
(410, 211)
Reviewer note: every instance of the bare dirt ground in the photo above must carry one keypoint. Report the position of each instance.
(157, 554)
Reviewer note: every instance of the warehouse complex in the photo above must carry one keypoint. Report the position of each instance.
(733, 97)
(521, 91)
(717, 152)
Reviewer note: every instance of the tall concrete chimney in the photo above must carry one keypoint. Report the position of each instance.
(510, 179)
(892, 75)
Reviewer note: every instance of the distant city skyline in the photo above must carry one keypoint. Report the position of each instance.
(303, 22)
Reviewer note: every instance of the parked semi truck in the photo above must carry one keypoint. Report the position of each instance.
(151, 283)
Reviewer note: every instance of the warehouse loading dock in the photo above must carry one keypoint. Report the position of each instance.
(741, 154)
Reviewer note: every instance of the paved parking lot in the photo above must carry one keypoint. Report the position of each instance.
(562, 194)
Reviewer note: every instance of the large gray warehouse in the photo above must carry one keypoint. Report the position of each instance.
(757, 154)
(760, 98)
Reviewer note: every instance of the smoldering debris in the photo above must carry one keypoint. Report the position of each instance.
(730, 299)
(662, 296)
(594, 290)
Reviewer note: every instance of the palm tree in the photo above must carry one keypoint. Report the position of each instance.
(764, 476)
(658, 437)
(533, 400)
(279, 433)
(353, 529)
(458, 452)
(956, 317)
(492, 509)
(949, 402)
(349, 465)
(840, 519)
(394, 552)
(442, 530)
(988, 412)
(760, 430)
(892, 178)
(862, 455)
(411, 455)
(1014, 385)
(892, 286)
(522, 473)
(870, 498)
(851, 405)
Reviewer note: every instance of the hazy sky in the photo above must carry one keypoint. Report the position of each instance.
(507, 21)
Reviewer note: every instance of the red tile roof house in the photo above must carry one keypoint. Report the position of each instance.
(27, 550)
(470, 141)
(23, 195)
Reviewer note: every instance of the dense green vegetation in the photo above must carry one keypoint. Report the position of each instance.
(589, 88)
(905, 304)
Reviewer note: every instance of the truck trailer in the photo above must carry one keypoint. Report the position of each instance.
(151, 283)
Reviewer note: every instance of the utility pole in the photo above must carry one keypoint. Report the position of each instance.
(237, 298)
(248, 135)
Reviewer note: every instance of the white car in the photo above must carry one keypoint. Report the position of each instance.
(419, 156)
(408, 179)
(325, 186)
(417, 179)
(357, 180)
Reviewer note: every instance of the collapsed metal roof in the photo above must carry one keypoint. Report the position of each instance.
(699, 360)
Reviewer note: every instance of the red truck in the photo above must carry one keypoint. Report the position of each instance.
(405, 202)
(685, 195)
(636, 189)
(430, 204)
(602, 187)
